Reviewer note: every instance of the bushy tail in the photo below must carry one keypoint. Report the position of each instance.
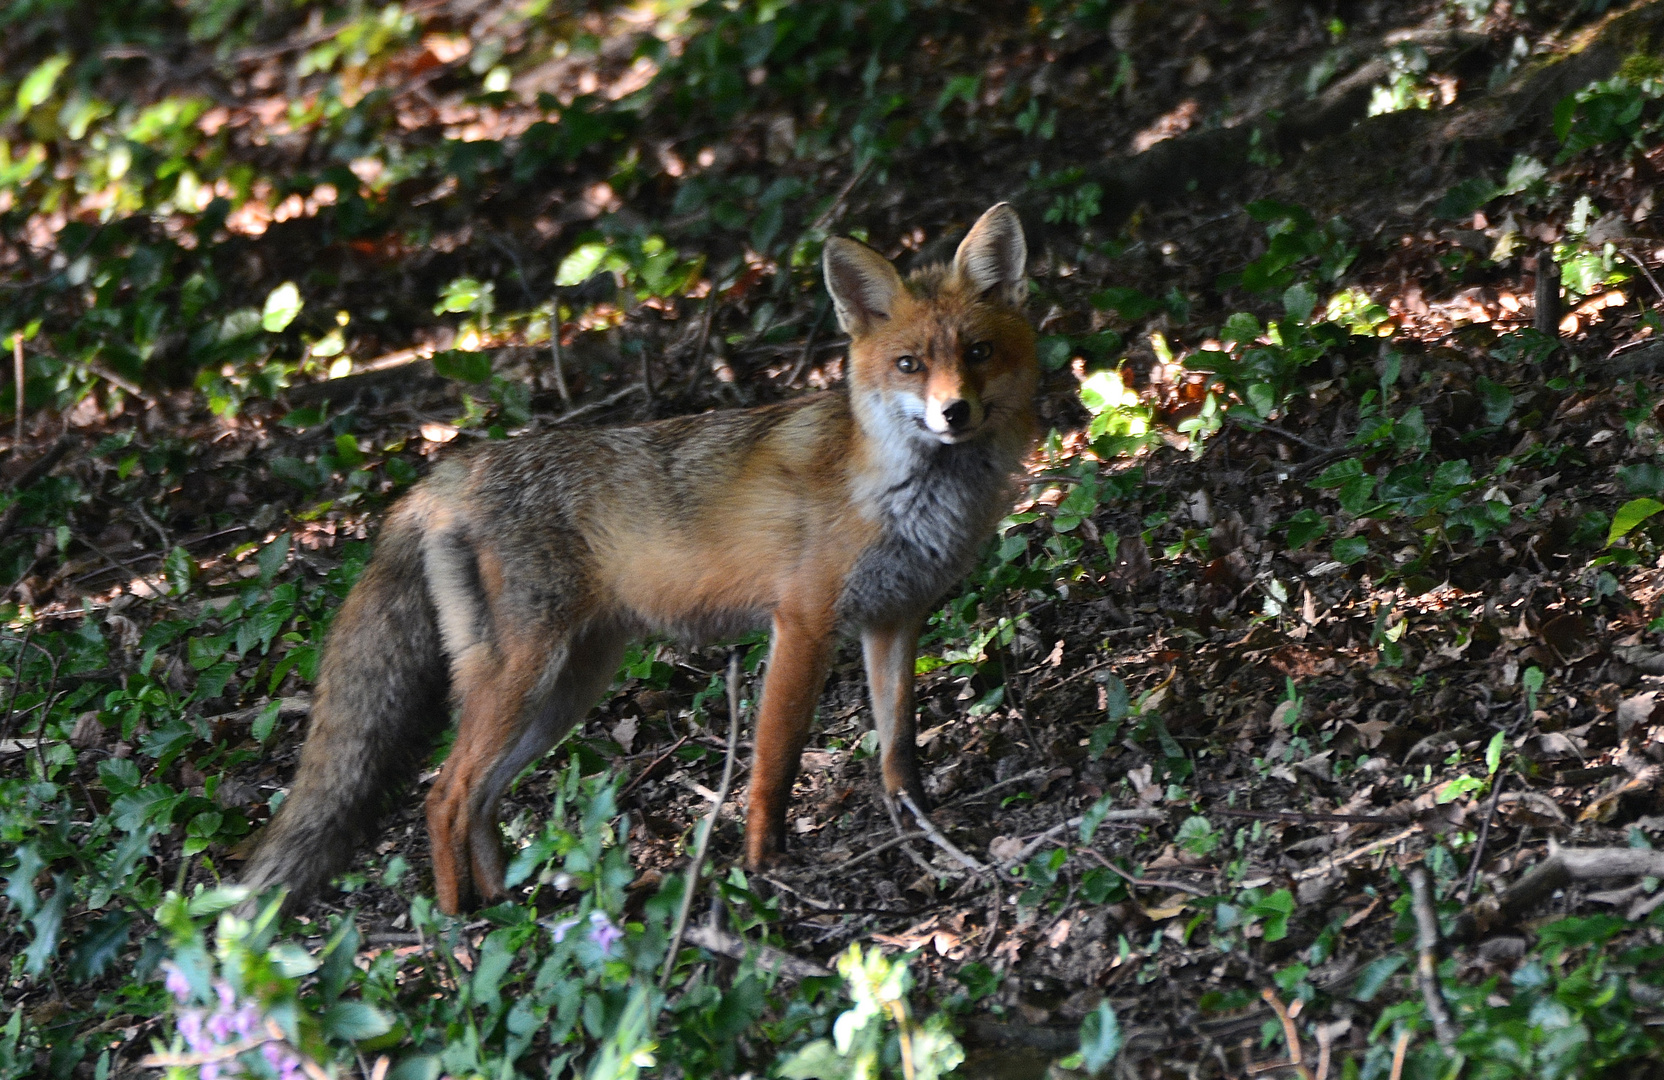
(379, 703)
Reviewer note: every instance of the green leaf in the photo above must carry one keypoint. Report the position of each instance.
(1457, 788)
(1094, 817)
(282, 305)
(37, 86)
(465, 294)
(819, 1060)
(1298, 301)
(1493, 753)
(355, 1021)
(1275, 910)
(1466, 197)
(468, 367)
(1197, 836)
(180, 569)
(1100, 1038)
(1350, 549)
(1499, 400)
(1629, 515)
(20, 885)
(263, 724)
(1241, 329)
(1304, 527)
(48, 923)
(272, 558)
(581, 264)
(1375, 976)
(100, 946)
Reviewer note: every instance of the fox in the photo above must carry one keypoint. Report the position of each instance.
(508, 583)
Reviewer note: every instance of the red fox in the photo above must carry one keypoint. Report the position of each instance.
(510, 581)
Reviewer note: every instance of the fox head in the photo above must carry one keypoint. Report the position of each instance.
(944, 356)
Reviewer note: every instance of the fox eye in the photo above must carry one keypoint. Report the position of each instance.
(908, 364)
(979, 351)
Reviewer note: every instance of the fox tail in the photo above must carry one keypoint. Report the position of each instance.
(380, 702)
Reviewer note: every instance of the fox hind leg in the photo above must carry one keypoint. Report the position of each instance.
(495, 688)
(570, 685)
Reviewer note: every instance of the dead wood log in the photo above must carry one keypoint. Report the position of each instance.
(1563, 867)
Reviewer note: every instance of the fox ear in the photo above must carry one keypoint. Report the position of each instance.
(863, 284)
(993, 254)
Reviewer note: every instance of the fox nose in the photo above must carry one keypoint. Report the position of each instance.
(957, 414)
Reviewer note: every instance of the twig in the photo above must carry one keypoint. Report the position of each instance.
(1281, 433)
(704, 342)
(554, 352)
(1547, 317)
(1484, 835)
(1290, 1034)
(660, 760)
(1325, 1039)
(1357, 853)
(1300, 817)
(802, 364)
(876, 849)
(769, 958)
(704, 841)
(1146, 883)
(17, 370)
(936, 837)
(601, 403)
(1398, 1049)
(830, 214)
(1007, 782)
(1143, 816)
(1427, 956)
(1642, 266)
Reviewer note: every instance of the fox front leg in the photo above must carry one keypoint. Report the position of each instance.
(798, 659)
(889, 652)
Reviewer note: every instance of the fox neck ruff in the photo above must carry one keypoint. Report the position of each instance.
(936, 507)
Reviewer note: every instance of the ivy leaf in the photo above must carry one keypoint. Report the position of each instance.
(48, 923)
(100, 946)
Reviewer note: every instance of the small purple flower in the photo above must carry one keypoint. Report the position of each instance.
(559, 929)
(282, 1059)
(190, 1026)
(603, 932)
(177, 983)
(246, 1021)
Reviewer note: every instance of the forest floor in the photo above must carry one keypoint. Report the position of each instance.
(1335, 564)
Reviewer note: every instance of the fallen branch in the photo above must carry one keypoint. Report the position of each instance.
(1427, 956)
(1562, 867)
